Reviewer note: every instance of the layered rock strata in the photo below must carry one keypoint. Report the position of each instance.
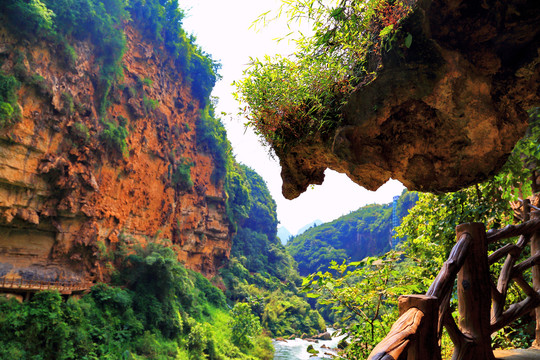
(67, 198)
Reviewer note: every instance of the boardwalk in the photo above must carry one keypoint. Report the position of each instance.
(65, 287)
(518, 354)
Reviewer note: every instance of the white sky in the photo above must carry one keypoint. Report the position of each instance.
(223, 30)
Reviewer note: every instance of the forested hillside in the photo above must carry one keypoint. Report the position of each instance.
(262, 273)
(375, 283)
(364, 232)
(122, 175)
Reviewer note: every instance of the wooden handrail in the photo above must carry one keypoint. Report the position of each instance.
(509, 231)
(470, 251)
(444, 281)
(31, 285)
(397, 340)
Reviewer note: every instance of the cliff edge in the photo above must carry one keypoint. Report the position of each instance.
(75, 180)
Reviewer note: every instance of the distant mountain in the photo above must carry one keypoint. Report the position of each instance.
(309, 226)
(364, 232)
(283, 234)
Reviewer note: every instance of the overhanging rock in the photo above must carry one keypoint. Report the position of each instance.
(440, 115)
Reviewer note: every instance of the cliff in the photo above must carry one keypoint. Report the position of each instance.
(434, 93)
(75, 181)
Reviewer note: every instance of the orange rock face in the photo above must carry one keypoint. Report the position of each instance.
(440, 115)
(66, 197)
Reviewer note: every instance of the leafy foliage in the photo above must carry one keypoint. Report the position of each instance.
(9, 109)
(261, 273)
(162, 311)
(114, 135)
(256, 240)
(101, 22)
(364, 232)
(360, 296)
(245, 325)
(212, 137)
(292, 98)
(181, 174)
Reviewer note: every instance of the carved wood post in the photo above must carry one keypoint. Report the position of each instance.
(535, 247)
(474, 299)
(426, 344)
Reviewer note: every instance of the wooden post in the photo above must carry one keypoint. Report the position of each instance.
(474, 299)
(535, 247)
(426, 343)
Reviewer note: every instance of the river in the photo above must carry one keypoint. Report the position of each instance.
(296, 349)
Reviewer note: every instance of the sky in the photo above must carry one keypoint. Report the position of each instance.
(224, 30)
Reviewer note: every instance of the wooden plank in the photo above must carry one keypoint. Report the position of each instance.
(424, 343)
(505, 250)
(524, 265)
(514, 312)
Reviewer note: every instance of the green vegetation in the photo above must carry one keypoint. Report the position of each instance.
(101, 22)
(260, 271)
(364, 232)
(9, 109)
(114, 135)
(361, 296)
(149, 105)
(181, 175)
(292, 98)
(161, 311)
(212, 138)
(245, 326)
(80, 132)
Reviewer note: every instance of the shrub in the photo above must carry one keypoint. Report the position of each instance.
(40, 84)
(9, 109)
(181, 175)
(114, 136)
(245, 326)
(67, 101)
(80, 132)
(149, 104)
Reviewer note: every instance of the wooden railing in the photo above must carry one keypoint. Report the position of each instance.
(64, 286)
(416, 334)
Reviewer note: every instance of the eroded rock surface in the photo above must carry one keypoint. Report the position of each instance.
(440, 115)
(66, 198)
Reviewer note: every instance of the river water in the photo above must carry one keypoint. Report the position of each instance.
(296, 349)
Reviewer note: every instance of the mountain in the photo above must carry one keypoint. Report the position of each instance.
(262, 273)
(107, 135)
(116, 176)
(364, 232)
(283, 234)
(309, 226)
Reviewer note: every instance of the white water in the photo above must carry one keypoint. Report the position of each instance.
(296, 349)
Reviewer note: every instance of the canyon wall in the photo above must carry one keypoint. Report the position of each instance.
(68, 197)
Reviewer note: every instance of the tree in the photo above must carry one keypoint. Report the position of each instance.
(245, 326)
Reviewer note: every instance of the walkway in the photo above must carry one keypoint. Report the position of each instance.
(518, 354)
(65, 287)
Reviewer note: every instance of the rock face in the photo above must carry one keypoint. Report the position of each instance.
(66, 198)
(440, 115)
